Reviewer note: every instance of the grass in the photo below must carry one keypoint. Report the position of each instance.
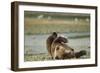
(43, 26)
(42, 57)
(38, 57)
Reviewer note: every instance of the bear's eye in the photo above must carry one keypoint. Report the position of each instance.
(57, 48)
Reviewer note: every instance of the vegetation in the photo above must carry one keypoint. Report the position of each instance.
(42, 23)
(44, 57)
(43, 26)
(37, 57)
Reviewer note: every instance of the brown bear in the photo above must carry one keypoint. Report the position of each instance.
(50, 40)
(60, 50)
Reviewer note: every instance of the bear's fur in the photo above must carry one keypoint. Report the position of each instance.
(80, 53)
(49, 41)
(60, 50)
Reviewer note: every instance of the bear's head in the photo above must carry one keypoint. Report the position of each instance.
(62, 52)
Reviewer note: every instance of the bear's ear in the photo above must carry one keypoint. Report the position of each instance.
(54, 34)
(63, 39)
